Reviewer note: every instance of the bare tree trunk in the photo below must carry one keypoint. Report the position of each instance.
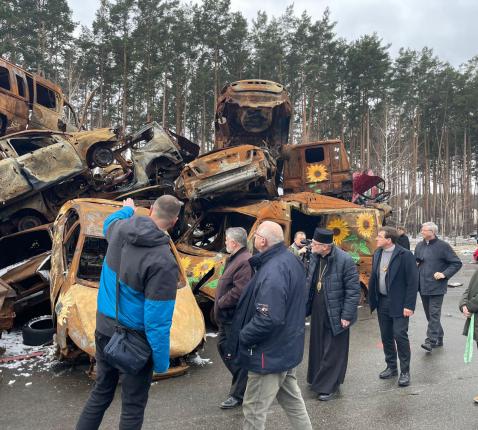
(165, 103)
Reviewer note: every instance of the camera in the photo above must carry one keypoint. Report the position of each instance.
(307, 243)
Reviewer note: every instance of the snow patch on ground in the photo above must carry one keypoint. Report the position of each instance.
(13, 343)
(197, 360)
(211, 334)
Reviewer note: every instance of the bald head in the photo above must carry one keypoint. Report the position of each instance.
(268, 234)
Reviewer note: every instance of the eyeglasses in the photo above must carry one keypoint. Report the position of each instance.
(259, 235)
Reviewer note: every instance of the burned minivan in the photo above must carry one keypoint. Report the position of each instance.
(28, 100)
(79, 249)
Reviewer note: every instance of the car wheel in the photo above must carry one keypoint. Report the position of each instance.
(38, 331)
(28, 221)
(102, 156)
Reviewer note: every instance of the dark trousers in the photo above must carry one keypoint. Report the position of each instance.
(239, 375)
(134, 392)
(432, 306)
(394, 332)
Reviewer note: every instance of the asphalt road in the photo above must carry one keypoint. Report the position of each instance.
(439, 397)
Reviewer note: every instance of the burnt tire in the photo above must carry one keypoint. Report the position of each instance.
(29, 221)
(38, 331)
(101, 156)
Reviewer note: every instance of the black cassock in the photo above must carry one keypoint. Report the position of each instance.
(328, 354)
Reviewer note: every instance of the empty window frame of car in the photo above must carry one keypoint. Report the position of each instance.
(5, 79)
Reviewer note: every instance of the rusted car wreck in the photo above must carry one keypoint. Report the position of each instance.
(24, 272)
(77, 257)
(28, 100)
(41, 170)
(202, 246)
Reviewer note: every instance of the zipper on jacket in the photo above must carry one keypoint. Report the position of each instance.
(262, 360)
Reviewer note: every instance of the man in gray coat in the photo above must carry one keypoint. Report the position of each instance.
(437, 263)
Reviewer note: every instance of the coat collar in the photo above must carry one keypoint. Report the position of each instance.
(263, 257)
(238, 252)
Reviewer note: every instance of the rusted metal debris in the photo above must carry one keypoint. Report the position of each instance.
(251, 176)
(40, 170)
(253, 112)
(202, 246)
(24, 271)
(242, 170)
(77, 257)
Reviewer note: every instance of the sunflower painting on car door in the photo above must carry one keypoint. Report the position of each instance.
(315, 174)
(354, 232)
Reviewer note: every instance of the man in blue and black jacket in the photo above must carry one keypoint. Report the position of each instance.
(139, 252)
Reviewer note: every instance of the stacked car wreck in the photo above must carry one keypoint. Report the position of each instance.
(71, 176)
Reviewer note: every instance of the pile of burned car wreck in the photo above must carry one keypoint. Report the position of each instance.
(73, 179)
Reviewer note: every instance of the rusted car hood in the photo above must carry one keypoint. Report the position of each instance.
(26, 269)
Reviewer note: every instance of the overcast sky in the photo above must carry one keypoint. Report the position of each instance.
(448, 26)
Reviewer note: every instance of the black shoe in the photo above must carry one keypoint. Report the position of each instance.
(230, 403)
(404, 379)
(427, 345)
(438, 343)
(323, 397)
(388, 373)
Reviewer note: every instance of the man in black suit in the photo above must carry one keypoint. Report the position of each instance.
(393, 291)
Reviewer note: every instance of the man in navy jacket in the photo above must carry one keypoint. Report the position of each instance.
(268, 331)
(392, 290)
(139, 255)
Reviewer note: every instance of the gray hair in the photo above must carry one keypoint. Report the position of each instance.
(272, 232)
(237, 234)
(432, 226)
(297, 234)
(167, 207)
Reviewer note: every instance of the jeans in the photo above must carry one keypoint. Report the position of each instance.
(134, 392)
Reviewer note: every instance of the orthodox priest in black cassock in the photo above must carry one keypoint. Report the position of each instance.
(334, 294)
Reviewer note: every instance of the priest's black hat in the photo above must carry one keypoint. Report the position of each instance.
(322, 235)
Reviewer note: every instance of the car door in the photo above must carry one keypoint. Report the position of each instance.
(46, 159)
(14, 184)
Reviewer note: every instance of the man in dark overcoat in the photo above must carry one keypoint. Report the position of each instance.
(437, 263)
(392, 291)
(334, 294)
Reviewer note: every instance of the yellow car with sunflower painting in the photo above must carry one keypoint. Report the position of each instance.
(202, 247)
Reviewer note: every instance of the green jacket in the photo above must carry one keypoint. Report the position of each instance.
(470, 299)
